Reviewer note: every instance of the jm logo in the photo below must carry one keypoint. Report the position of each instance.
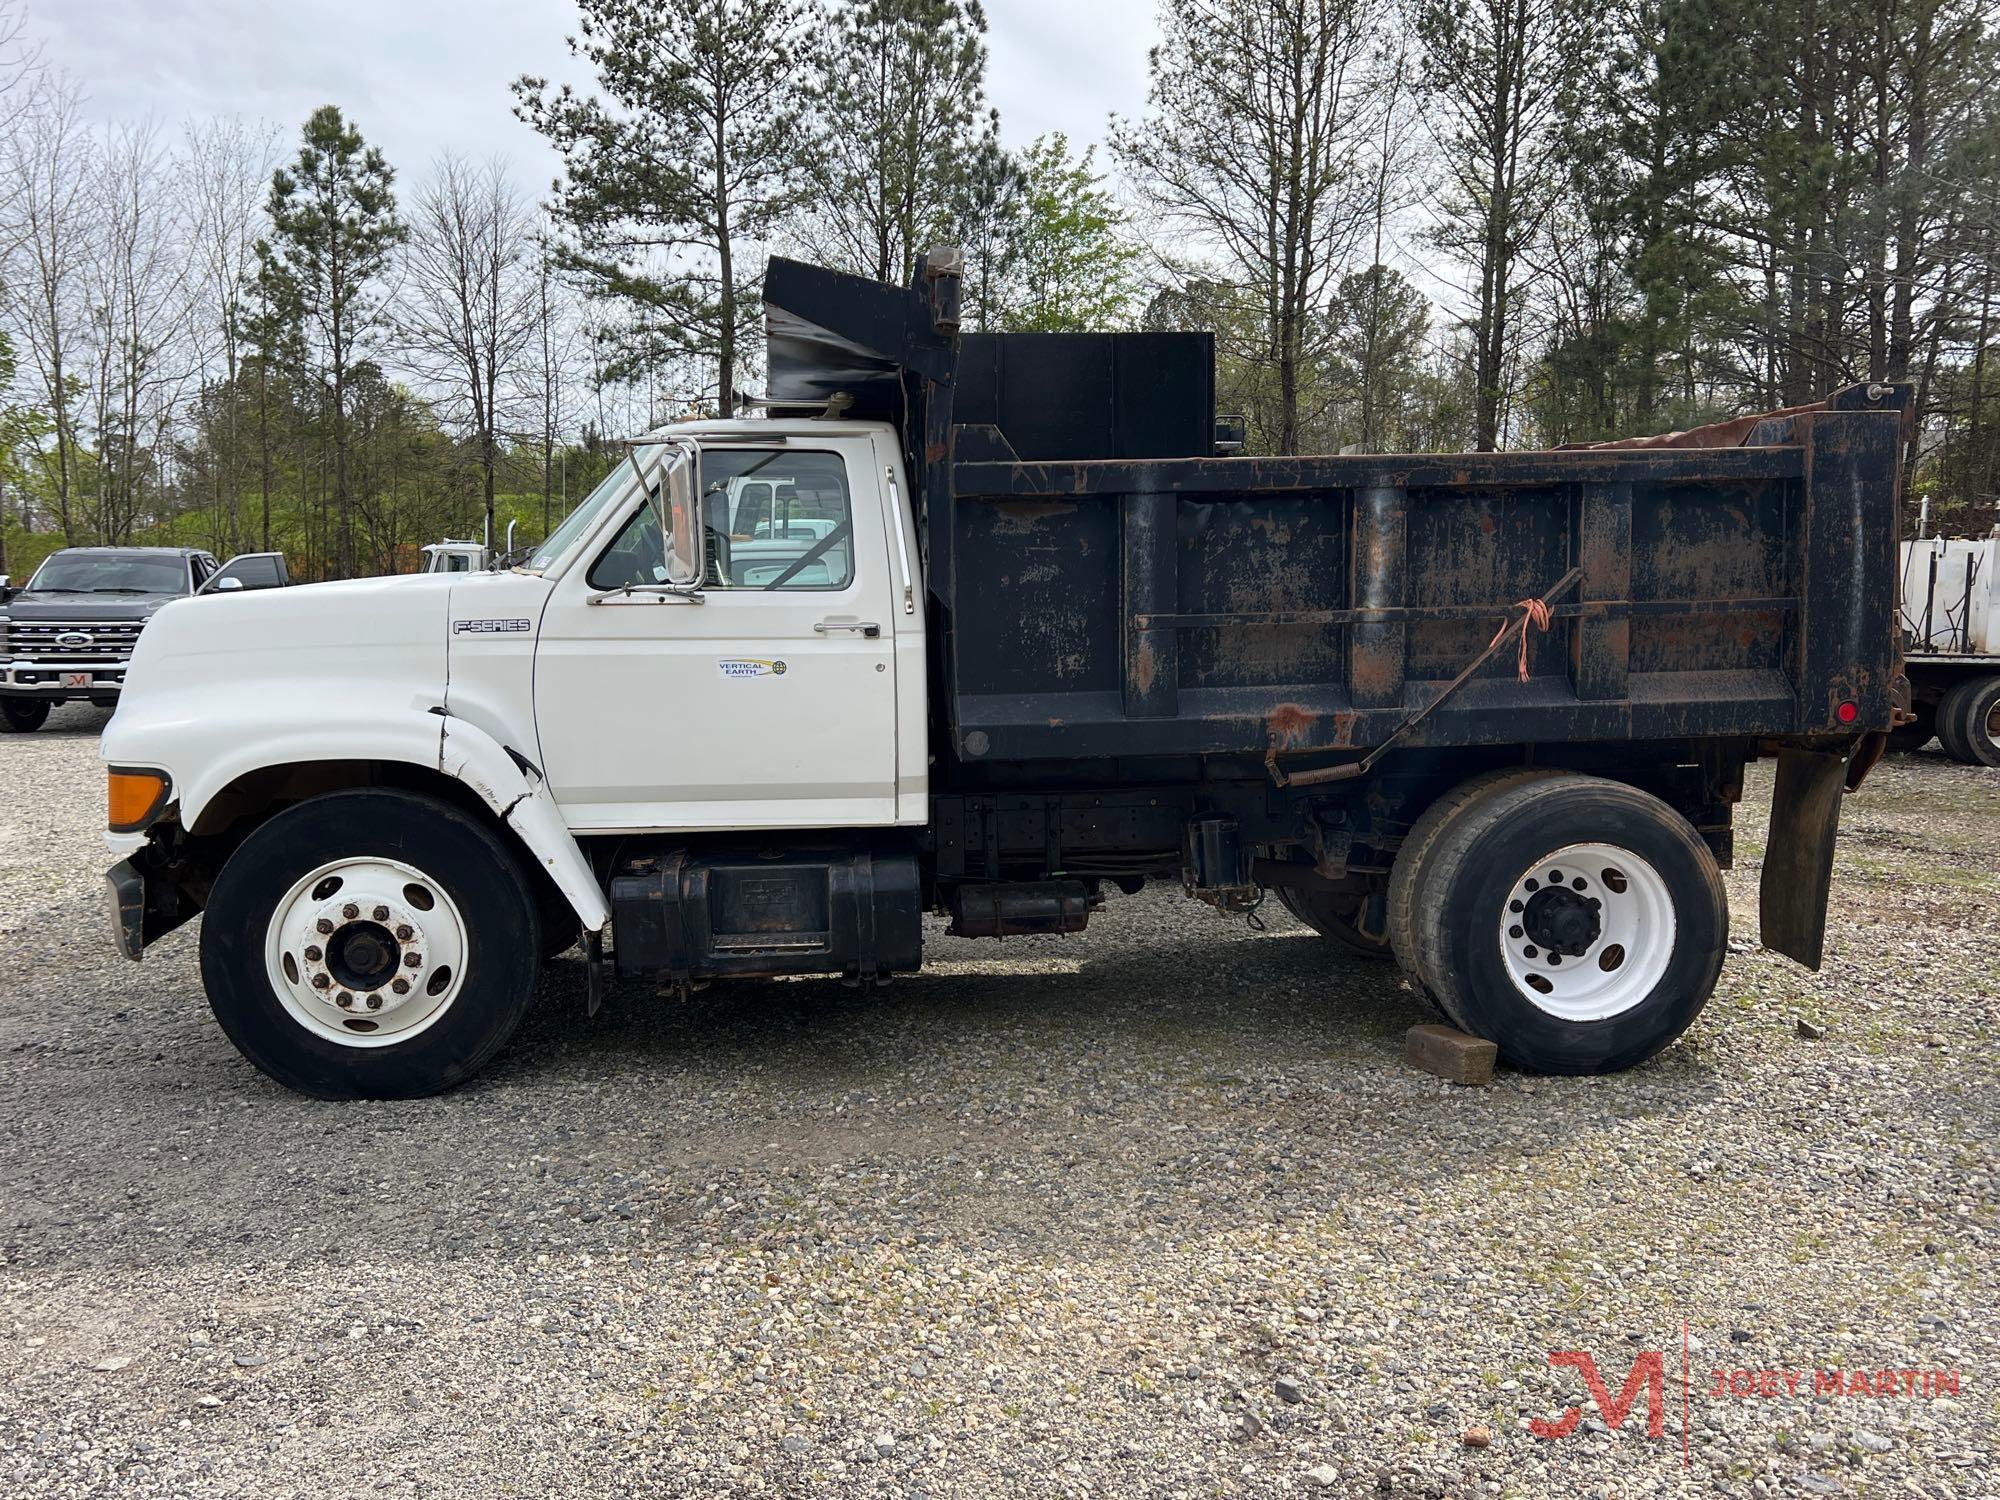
(1648, 1373)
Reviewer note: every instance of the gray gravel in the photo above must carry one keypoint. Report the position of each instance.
(1154, 1211)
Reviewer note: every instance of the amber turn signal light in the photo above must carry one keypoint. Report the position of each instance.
(134, 798)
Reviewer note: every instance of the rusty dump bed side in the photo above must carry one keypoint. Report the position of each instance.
(1736, 582)
(1217, 605)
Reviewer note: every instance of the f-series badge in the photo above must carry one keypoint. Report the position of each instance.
(489, 627)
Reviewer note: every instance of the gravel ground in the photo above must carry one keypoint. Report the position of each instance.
(1153, 1211)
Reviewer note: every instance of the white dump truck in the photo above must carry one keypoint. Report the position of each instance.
(1951, 650)
(983, 627)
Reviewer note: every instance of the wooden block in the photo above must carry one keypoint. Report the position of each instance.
(1451, 1054)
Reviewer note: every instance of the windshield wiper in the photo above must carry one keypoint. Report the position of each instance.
(122, 589)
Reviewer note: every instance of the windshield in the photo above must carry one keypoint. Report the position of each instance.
(579, 520)
(111, 573)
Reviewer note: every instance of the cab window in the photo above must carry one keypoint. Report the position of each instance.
(774, 518)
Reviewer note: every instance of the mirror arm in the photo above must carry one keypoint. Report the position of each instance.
(687, 593)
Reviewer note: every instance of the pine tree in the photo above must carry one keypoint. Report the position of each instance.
(333, 227)
(687, 154)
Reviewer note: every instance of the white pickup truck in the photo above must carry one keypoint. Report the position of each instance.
(984, 627)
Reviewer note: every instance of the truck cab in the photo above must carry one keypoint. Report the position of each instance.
(985, 628)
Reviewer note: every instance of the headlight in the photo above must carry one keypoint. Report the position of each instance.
(134, 798)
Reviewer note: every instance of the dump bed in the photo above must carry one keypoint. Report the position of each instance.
(1309, 607)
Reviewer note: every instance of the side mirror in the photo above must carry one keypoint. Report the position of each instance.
(7, 589)
(249, 570)
(675, 504)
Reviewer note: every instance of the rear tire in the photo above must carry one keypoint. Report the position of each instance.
(1413, 858)
(1949, 712)
(322, 911)
(1976, 721)
(1333, 916)
(23, 715)
(1579, 924)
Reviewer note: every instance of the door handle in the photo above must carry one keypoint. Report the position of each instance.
(865, 627)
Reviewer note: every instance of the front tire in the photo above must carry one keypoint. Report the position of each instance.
(23, 715)
(370, 945)
(1579, 924)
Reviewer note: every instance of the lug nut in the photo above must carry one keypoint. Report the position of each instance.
(374, 1002)
(313, 954)
(381, 913)
(413, 960)
(350, 911)
(400, 986)
(404, 932)
(323, 926)
(346, 1000)
(322, 982)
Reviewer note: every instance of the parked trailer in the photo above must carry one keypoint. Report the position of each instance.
(1951, 651)
(1487, 712)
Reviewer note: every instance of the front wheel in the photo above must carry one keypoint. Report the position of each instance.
(1579, 924)
(370, 944)
(23, 715)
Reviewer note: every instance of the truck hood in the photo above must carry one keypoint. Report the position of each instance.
(36, 608)
(366, 641)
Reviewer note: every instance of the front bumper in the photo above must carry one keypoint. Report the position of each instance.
(146, 903)
(60, 679)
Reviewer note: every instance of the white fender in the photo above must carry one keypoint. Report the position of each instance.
(474, 757)
(411, 734)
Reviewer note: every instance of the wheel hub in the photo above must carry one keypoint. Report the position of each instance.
(1562, 920)
(366, 958)
(366, 951)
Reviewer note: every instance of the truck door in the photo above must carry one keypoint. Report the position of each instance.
(771, 702)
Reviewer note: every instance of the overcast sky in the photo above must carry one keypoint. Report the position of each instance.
(423, 76)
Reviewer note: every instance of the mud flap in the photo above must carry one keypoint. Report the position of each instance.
(593, 971)
(1798, 855)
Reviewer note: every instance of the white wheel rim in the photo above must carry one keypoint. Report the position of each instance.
(366, 952)
(1610, 914)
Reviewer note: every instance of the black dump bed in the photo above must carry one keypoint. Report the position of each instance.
(1103, 586)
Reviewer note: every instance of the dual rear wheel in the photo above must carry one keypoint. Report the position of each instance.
(1579, 924)
(1968, 721)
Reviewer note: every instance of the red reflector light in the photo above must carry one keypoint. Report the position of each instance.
(1847, 713)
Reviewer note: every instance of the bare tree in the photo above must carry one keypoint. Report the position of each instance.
(228, 164)
(140, 285)
(1492, 77)
(470, 299)
(52, 165)
(1257, 145)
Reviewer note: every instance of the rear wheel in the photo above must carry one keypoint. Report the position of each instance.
(370, 944)
(1336, 915)
(23, 715)
(1414, 857)
(1950, 711)
(1975, 719)
(1577, 923)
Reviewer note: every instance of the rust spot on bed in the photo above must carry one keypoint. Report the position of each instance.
(1145, 665)
(1288, 724)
